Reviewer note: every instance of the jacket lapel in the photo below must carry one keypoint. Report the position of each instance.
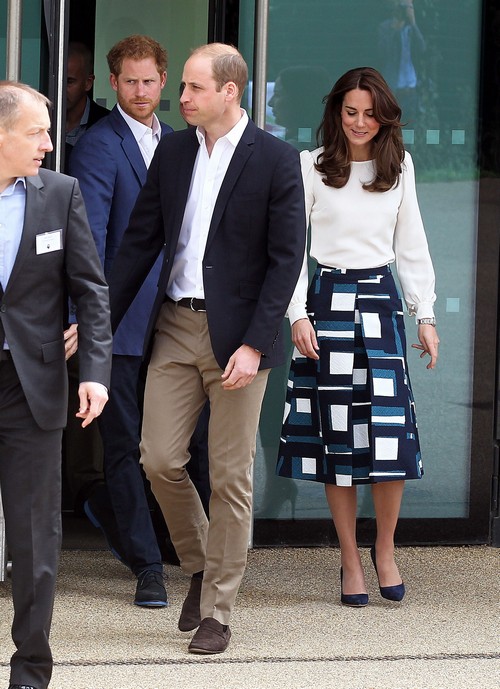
(129, 145)
(242, 153)
(35, 206)
(180, 191)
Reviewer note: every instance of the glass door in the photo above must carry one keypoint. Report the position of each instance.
(99, 24)
(179, 27)
(31, 40)
(310, 44)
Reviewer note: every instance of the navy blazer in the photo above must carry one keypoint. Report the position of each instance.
(255, 245)
(111, 170)
(35, 297)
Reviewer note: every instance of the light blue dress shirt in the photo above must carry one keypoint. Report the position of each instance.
(12, 207)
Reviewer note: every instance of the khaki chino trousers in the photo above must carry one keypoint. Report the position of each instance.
(182, 374)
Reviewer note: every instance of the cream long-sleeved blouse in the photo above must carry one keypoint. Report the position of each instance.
(355, 228)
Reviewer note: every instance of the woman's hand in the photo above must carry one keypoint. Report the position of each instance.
(304, 338)
(429, 342)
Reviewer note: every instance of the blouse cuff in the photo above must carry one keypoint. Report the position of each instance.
(422, 310)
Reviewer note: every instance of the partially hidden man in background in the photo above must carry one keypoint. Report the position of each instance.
(81, 448)
(226, 200)
(81, 111)
(49, 254)
(111, 162)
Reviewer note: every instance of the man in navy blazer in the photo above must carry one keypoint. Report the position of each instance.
(47, 254)
(110, 162)
(226, 199)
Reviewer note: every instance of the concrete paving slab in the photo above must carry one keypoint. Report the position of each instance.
(289, 629)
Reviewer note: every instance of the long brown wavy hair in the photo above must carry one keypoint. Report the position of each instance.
(334, 163)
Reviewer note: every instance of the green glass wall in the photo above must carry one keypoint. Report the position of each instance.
(310, 45)
(177, 26)
(31, 41)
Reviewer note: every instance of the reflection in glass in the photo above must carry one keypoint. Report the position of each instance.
(297, 103)
(401, 45)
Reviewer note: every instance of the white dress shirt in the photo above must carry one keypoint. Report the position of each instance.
(186, 279)
(355, 228)
(147, 138)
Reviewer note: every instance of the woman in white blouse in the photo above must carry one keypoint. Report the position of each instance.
(349, 417)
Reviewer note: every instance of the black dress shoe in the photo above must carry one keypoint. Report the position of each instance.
(150, 591)
(21, 686)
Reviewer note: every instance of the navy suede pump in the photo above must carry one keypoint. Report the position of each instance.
(394, 593)
(353, 600)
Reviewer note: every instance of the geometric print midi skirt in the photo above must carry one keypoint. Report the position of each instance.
(350, 416)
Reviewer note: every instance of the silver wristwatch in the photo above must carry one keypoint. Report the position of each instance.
(426, 321)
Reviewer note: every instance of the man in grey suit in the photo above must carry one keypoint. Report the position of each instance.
(48, 255)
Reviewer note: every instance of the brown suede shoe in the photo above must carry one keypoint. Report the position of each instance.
(211, 637)
(190, 614)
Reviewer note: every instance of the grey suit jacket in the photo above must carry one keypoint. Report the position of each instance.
(34, 302)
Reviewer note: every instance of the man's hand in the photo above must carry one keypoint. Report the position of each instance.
(429, 342)
(93, 397)
(304, 338)
(71, 340)
(241, 368)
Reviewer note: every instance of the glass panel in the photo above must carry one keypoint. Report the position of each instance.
(3, 37)
(177, 28)
(436, 79)
(31, 41)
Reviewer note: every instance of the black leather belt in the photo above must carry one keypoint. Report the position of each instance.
(5, 355)
(190, 303)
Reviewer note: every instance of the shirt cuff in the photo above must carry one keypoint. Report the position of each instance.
(296, 312)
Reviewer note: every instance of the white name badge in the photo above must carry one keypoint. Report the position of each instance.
(49, 241)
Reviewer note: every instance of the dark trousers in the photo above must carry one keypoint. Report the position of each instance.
(81, 448)
(120, 425)
(30, 481)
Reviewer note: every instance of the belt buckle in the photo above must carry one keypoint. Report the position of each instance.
(191, 304)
